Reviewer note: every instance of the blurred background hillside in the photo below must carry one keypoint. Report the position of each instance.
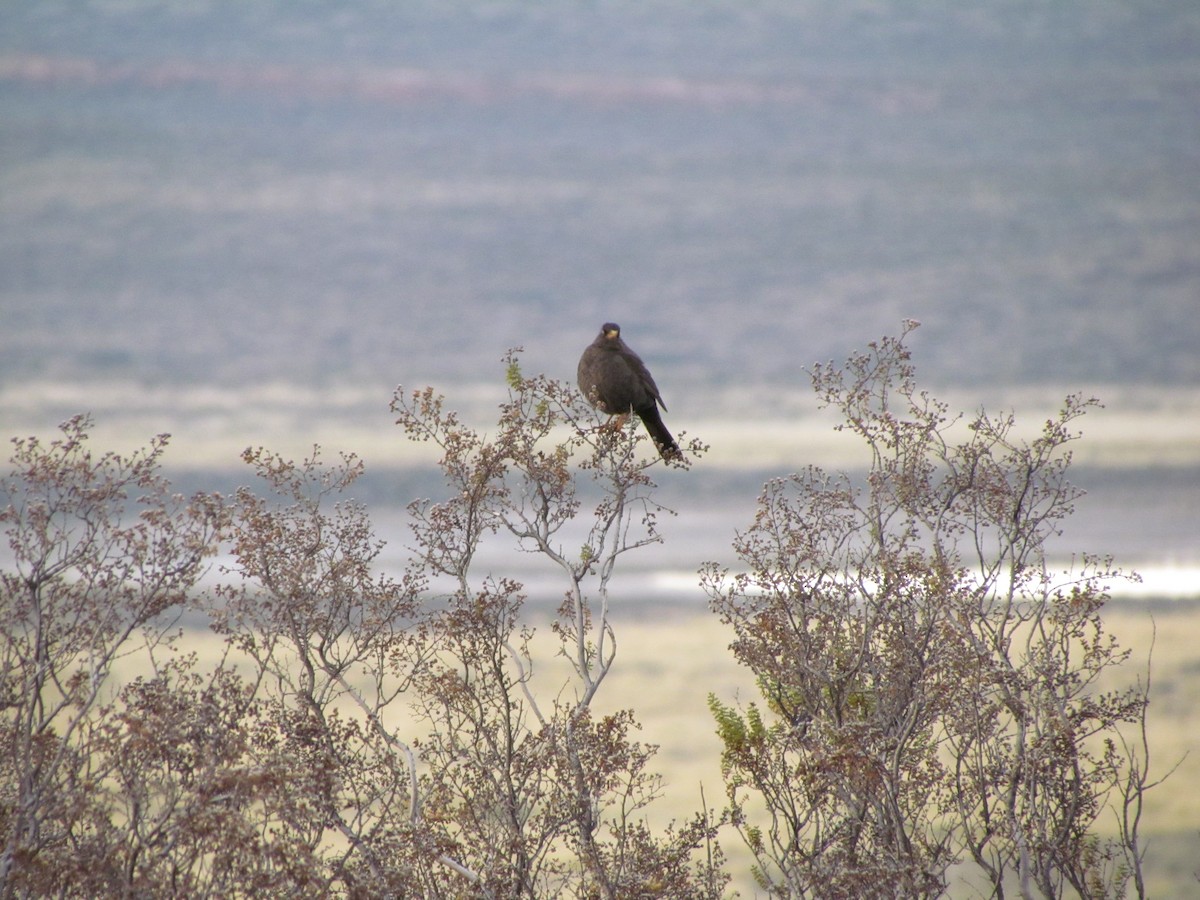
(247, 223)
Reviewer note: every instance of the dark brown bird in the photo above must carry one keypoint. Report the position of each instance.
(617, 382)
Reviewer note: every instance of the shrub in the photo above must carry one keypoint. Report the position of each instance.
(361, 735)
(928, 683)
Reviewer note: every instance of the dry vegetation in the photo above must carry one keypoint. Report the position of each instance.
(895, 697)
(667, 690)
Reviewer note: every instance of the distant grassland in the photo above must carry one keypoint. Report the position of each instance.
(667, 665)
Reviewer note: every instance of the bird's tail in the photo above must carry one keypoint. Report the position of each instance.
(667, 447)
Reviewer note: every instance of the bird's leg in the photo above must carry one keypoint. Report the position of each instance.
(617, 422)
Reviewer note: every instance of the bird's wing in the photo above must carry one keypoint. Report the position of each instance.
(643, 374)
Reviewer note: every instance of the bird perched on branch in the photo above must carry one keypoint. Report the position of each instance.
(617, 382)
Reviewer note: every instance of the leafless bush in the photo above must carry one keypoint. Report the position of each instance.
(99, 550)
(539, 796)
(362, 735)
(929, 683)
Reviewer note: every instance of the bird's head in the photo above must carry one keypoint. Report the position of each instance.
(611, 330)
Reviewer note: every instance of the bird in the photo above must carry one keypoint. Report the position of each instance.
(617, 382)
